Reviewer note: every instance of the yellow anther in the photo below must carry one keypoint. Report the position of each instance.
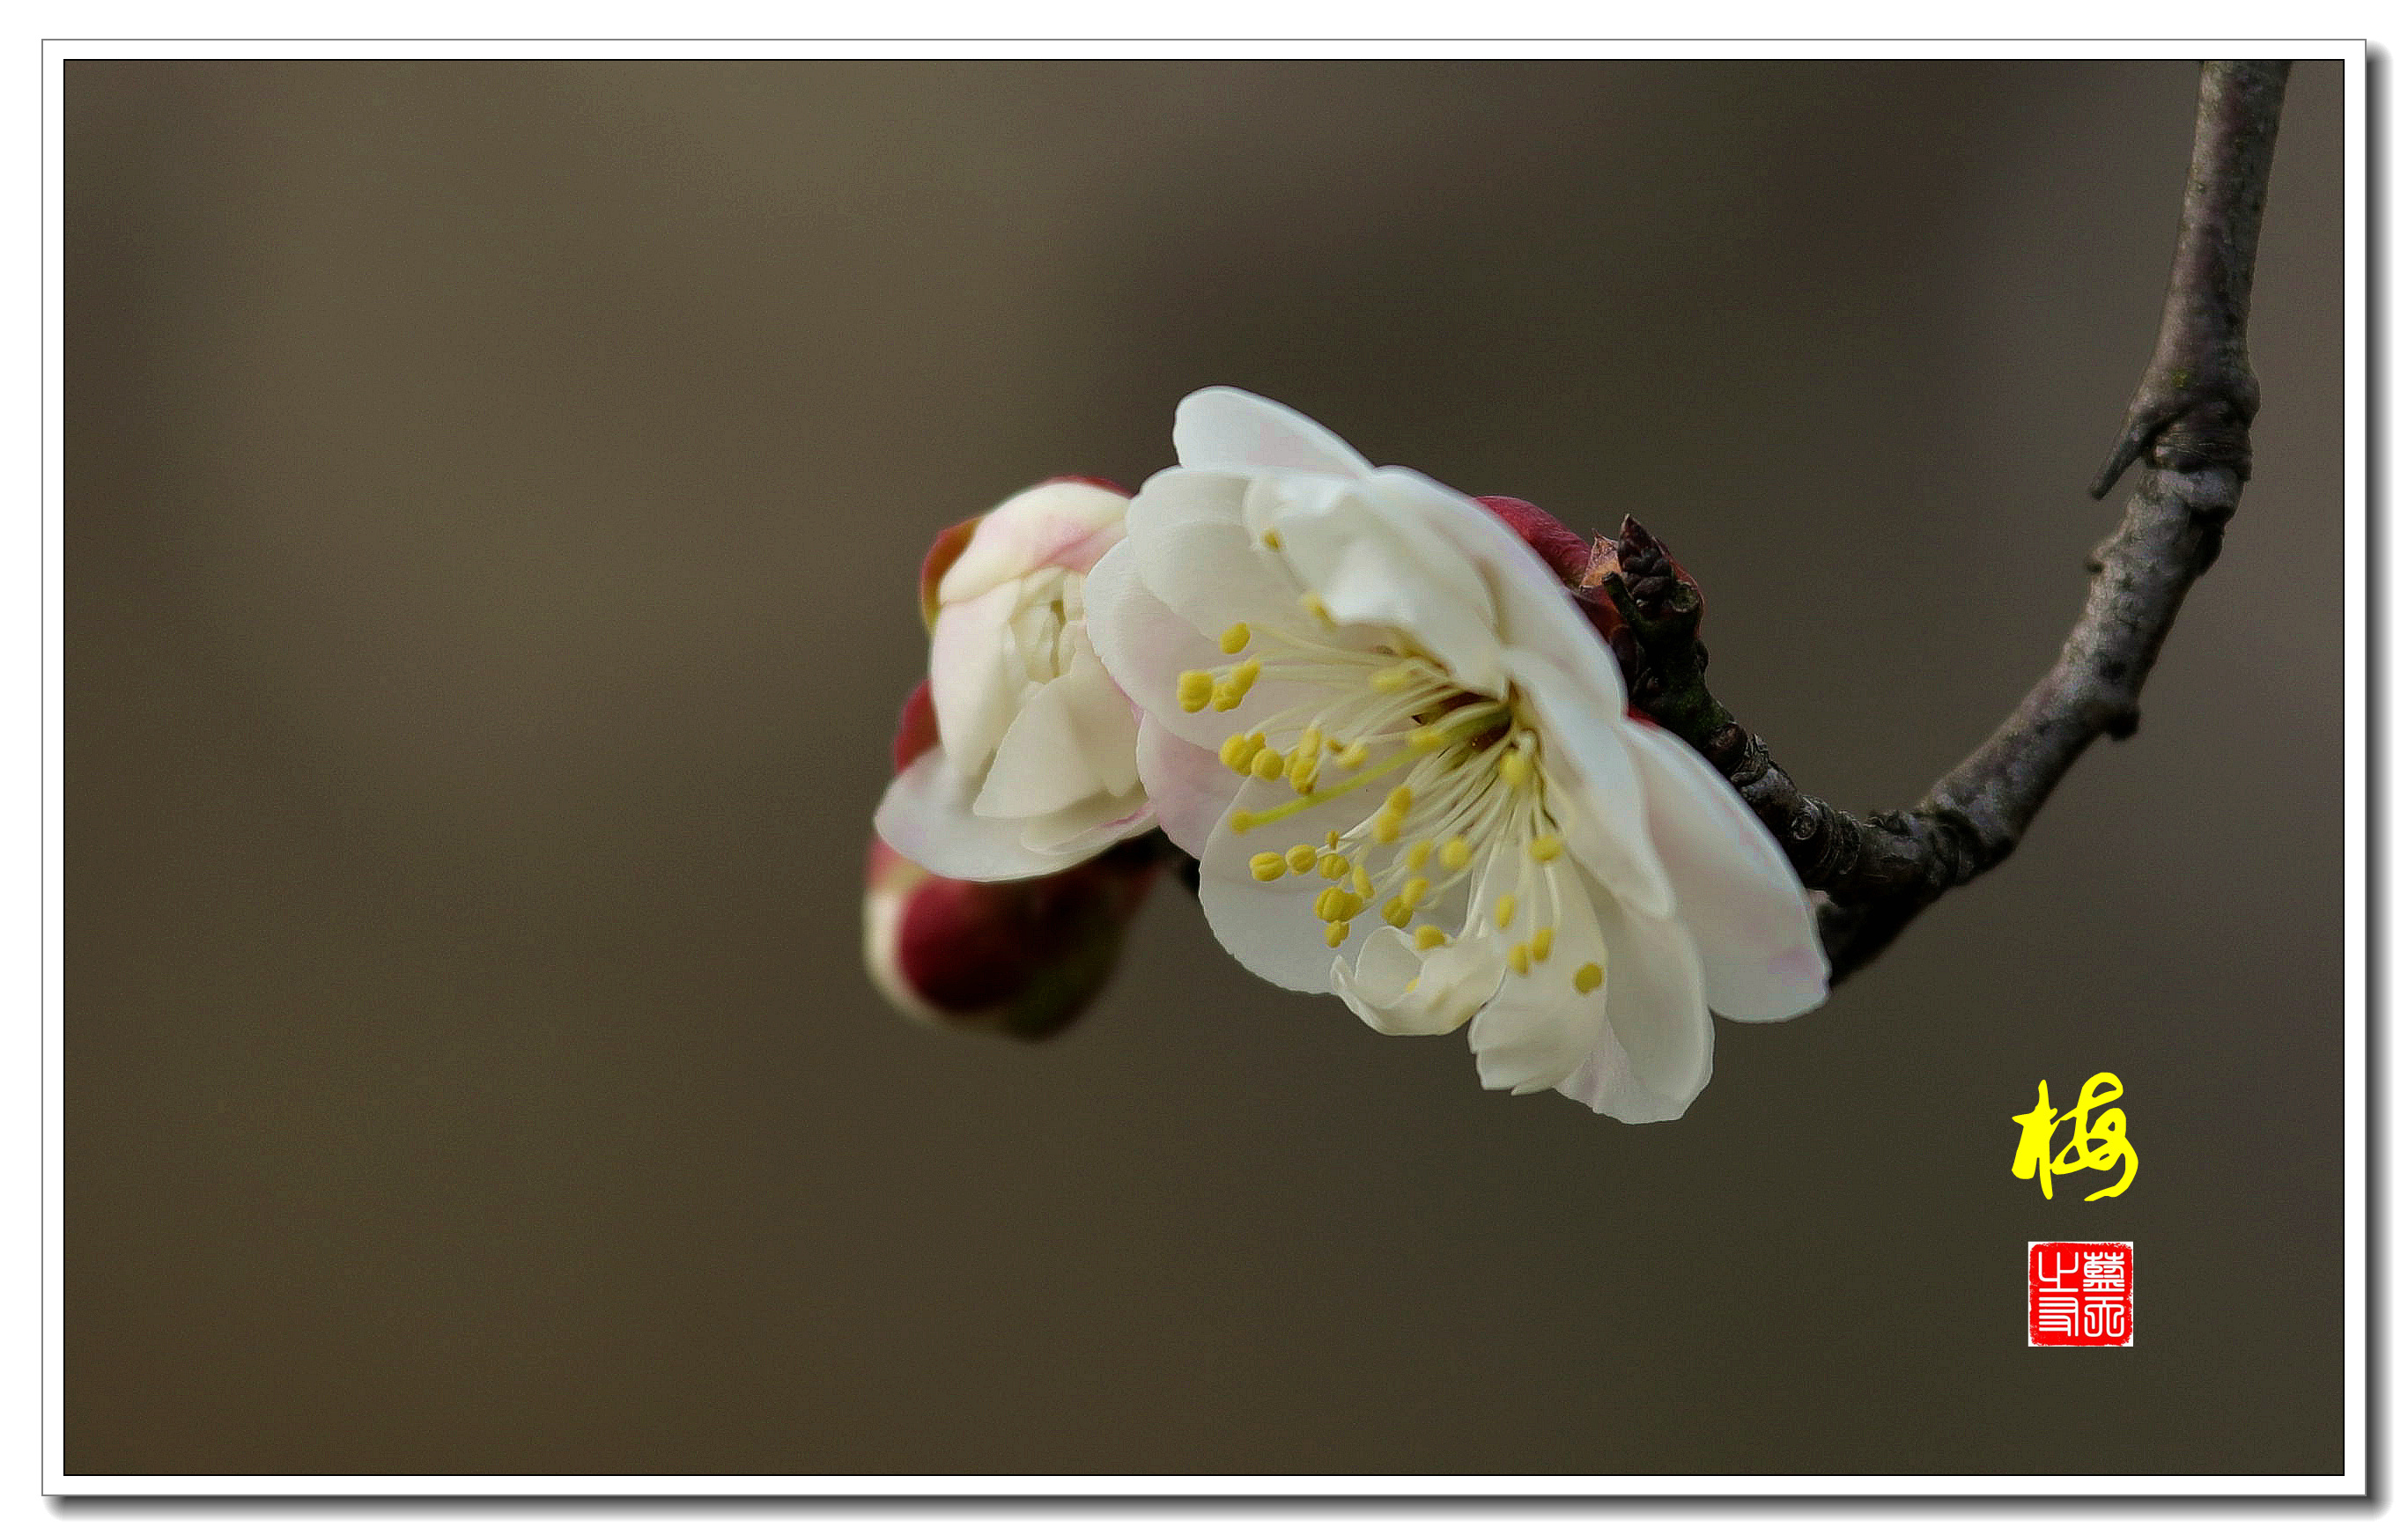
(1430, 737)
(1415, 892)
(1334, 866)
(1547, 849)
(1245, 671)
(1270, 539)
(1362, 882)
(1330, 840)
(1542, 943)
(1387, 827)
(1335, 904)
(1506, 906)
(1354, 755)
(1334, 935)
(1228, 695)
(1267, 866)
(1238, 753)
(1428, 936)
(1519, 957)
(1318, 609)
(1392, 679)
(1457, 855)
(1308, 741)
(1235, 639)
(1241, 822)
(1588, 978)
(1400, 800)
(1515, 769)
(1418, 856)
(1412, 986)
(1399, 911)
(1194, 690)
(1303, 771)
(1269, 765)
(1300, 858)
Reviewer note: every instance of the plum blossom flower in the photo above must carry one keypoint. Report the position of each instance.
(1034, 764)
(1405, 764)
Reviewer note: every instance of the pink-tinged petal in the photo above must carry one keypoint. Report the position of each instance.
(1190, 789)
(1541, 1026)
(942, 552)
(1753, 922)
(1602, 806)
(1038, 767)
(1089, 827)
(1145, 646)
(926, 816)
(1197, 559)
(1061, 523)
(1269, 926)
(975, 674)
(1229, 429)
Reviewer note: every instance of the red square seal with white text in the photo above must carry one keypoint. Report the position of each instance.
(2081, 1294)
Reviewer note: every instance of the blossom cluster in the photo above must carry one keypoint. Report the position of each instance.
(1372, 710)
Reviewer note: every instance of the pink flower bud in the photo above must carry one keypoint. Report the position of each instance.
(1020, 957)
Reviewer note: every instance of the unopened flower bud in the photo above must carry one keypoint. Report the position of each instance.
(1019, 957)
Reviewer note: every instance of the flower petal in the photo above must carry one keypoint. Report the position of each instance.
(1187, 784)
(1229, 429)
(1603, 807)
(1398, 989)
(1373, 581)
(1089, 827)
(1269, 925)
(975, 674)
(1038, 767)
(926, 815)
(1199, 560)
(1061, 523)
(1657, 1050)
(1541, 1026)
(1145, 646)
(1751, 919)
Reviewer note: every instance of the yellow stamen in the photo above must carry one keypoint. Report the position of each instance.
(1300, 858)
(1227, 696)
(1547, 849)
(1330, 840)
(1588, 978)
(1336, 904)
(1194, 690)
(1506, 906)
(1354, 755)
(1457, 855)
(1333, 867)
(1430, 737)
(1542, 943)
(1362, 882)
(1514, 769)
(1415, 892)
(1303, 771)
(1519, 957)
(1399, 911)
(1235, 639)
(1387, 827)
(1238, 753)
(1400, 800)
(1318, 609)
(1269, 765)
(1418, 856)
(1428, 936)
(1270, 539)
(1267, 866)
(1309, 743)
(1242, 821)
(1392, 679)
(1334, 935)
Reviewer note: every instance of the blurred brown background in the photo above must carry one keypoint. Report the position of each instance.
(493, 497)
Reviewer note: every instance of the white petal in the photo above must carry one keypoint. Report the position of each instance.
(1373, 581)
(1658, 1048)
(1751, 919)
(1540, 1026)
(1089, 827)
(975, 674)
(1145, 646)
(925, 816)
(1063, 523)
(1197, 558)
(1269, 925)
(1398, 989)
(1103, 721)
(1224, 428)
(1187, 784)
(1602, 806)
(1038, 767)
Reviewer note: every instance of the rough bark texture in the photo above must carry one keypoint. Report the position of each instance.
(2189, 421)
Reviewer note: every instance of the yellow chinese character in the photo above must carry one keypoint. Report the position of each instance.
(2098, 1146)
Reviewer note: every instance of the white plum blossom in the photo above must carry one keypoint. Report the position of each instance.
(1405, 766)
(1034, 765)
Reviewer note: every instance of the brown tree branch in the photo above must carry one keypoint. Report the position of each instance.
(2190, 419)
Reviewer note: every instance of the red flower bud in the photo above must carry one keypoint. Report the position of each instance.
(1019, 957)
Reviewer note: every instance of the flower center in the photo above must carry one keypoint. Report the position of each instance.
(1045, 626)
(1464, 845)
